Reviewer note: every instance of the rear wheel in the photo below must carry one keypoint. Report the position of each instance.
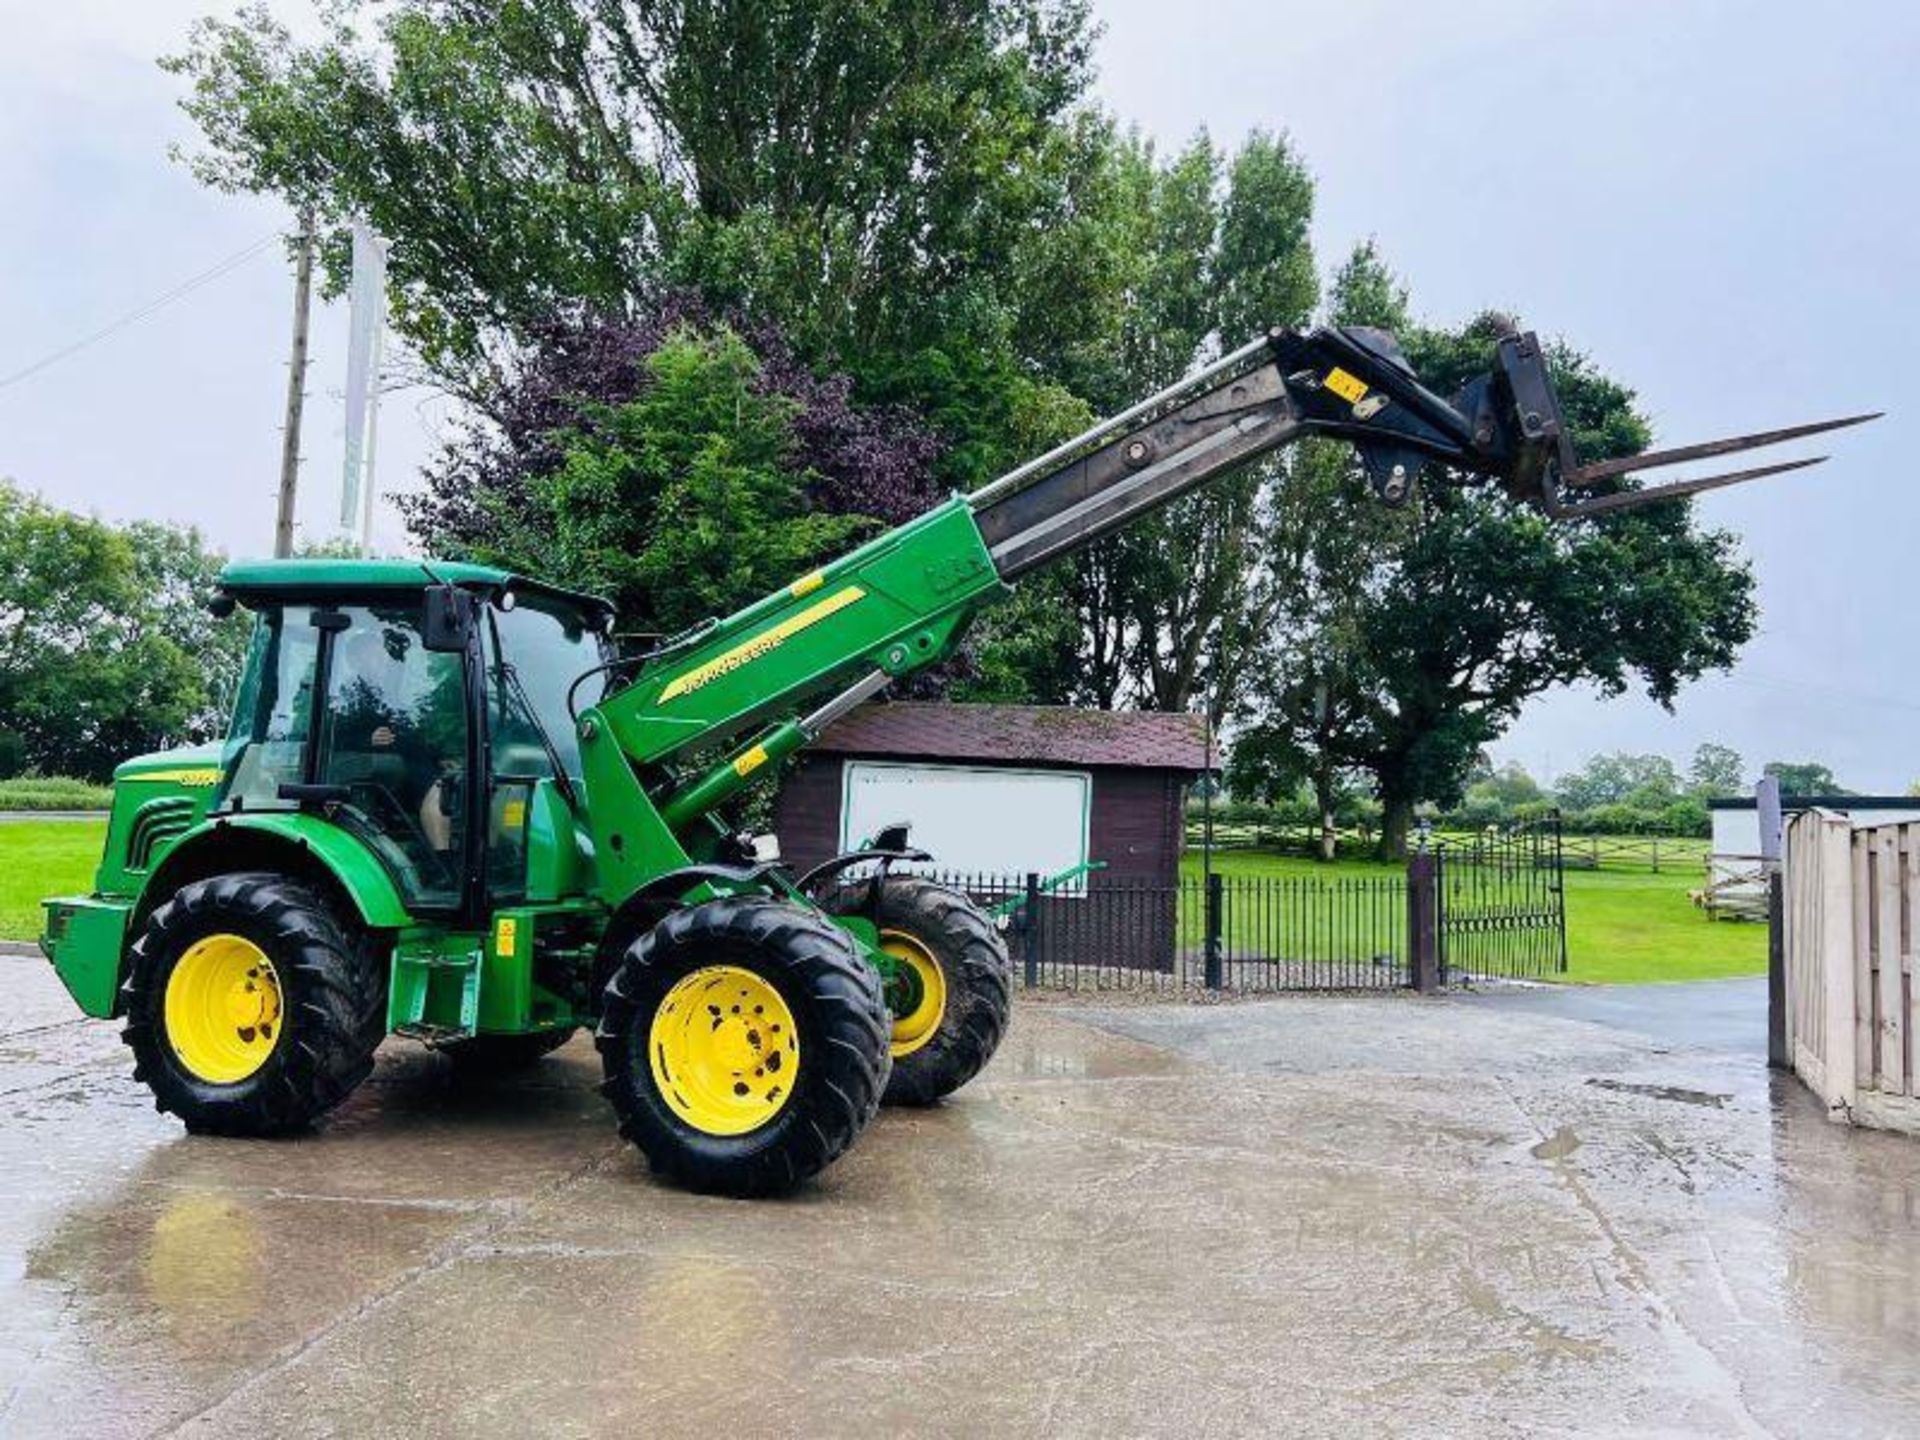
(952, 994)
(252, 1008)
(745, 1045)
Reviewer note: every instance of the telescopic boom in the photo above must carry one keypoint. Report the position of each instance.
(902, 601)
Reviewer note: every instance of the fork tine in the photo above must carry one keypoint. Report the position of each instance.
(1653, 459)
(1677, 489)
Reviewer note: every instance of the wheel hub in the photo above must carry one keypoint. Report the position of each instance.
(918, 994)
(222, 1009)
(724, 1050)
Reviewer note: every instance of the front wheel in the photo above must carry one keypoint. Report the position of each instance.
(953, 990)
(252, 1007)
(744, 1042)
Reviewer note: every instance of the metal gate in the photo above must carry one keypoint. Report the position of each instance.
(1502, 904)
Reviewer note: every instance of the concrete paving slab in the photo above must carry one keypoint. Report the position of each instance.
(1700, 1014)
(1307, 1216)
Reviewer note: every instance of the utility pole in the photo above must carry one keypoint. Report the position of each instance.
(296, 390)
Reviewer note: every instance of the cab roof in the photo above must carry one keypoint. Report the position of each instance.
(257, 582)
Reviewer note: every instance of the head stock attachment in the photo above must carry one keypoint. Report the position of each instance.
(1507, 425)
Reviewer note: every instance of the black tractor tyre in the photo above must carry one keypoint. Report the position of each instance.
(332, 1004)
(972, 958)
(495, 1054)
(839, 1019)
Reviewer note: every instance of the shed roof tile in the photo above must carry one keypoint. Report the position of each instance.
(1043, 734)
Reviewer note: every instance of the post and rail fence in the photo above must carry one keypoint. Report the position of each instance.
(1456, 915)
(1655, 854)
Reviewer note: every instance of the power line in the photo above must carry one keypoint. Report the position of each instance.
(134, 316)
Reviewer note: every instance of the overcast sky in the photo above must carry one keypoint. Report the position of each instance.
(1717, 200)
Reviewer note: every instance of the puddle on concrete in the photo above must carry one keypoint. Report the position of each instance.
(1664, 1092)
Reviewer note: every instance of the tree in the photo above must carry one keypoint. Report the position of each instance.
(1469, 603)
(916, 193)
(1716, 770)
(1615, 778)
(1172, 610)
(1308, 687)
(1804, 778)
(106, 647)
(670, 465)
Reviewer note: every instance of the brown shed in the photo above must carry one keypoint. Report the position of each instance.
(995, 787)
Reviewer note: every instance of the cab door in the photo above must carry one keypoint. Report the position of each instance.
(536, 851)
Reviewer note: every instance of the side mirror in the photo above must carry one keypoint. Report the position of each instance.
(449, 617)
(221, 605)
(891, 837)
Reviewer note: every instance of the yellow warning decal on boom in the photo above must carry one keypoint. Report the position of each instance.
(1348, 387)
(748, 651)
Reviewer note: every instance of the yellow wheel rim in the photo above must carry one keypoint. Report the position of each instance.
(223, 1009)
(725, 1050)
(921, 997)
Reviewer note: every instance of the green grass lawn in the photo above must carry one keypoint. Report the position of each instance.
(40, 858)
(1622, 927)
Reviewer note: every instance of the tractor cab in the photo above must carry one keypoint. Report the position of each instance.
(424, 709)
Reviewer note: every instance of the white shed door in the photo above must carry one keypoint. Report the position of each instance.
(974, 820)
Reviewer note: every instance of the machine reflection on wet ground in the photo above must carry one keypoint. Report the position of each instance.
(1305, 1216)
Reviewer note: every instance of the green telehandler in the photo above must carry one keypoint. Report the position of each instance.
(447, 809)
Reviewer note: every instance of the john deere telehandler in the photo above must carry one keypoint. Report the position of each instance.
(447, 809)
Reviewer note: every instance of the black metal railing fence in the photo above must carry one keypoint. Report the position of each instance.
(1494, 907)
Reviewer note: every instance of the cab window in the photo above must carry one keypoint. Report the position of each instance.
(546, 651)
(394, 738)
(534, 656)
(272, 712)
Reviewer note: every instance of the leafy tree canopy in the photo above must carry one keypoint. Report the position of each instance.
(106, 646)
(1804, 778)
(1612, 779)
(669, 465)
(1716, 770)
(1210, 248)
(915, 192)
(1436, 629)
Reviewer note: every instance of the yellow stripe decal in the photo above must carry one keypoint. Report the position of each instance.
(1348, 387)
(807, 584)
(748, 651)
(177, 777)
(751, 761)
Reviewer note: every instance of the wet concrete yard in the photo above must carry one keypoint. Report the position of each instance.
(1298, 1217)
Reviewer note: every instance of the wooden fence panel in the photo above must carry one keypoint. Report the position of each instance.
(1852, 913)
(1889, 1011)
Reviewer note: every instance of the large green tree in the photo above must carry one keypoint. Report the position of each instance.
(685, 495)
(913, 191)
(1716, 770)
(1804, 777)
(1212, 248)
(106, 646)
(915, 194)
(1474, 604)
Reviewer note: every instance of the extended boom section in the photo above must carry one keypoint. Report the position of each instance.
(902, 601)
